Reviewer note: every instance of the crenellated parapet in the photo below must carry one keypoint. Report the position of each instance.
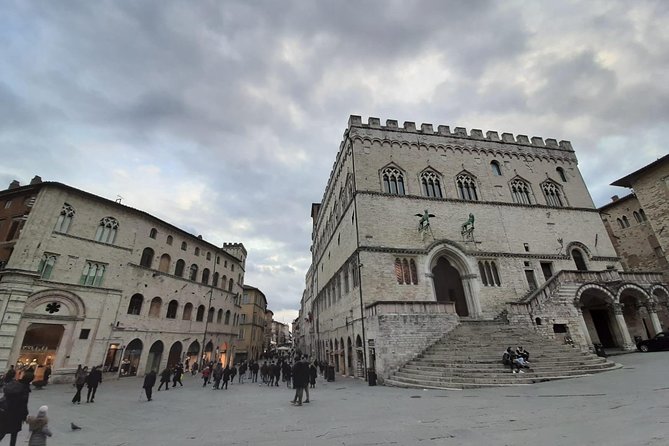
(461, 133)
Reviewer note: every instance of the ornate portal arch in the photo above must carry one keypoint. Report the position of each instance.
(55, 304)
(447, 252)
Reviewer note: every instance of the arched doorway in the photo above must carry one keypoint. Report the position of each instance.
(342, 356)
(193, 352)
(155, 356)
(599, 317)
(174, 357)
(448, 286)
(636, 316)
(208, 349)
(131, 356)
(39, 347)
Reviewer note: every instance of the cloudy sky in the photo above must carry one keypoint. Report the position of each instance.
(224, 118)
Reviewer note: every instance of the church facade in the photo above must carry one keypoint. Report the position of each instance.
(86, 280)
(420, 228)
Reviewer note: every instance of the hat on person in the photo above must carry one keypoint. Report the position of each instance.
(42, 410)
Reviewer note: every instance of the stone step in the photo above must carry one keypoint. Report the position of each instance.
(479, 373)
(470, 357)
(474, 368)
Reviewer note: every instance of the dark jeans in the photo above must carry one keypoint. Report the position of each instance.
(178, 380)
(91, 393)
(77, 396)
(167, 385)
(12, 438)
(149, 392)
(298, 395)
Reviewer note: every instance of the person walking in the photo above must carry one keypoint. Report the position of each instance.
(194, 369)
(300, 378)
(149, 382)
(287, 371)
(205, 376)
(16, 403)
(39, 427)
(242, 373)
(79, 381)
(226, 376)
(165, 376)
(254, 372)
(92, 381)
(176, 377)
(313, 373)
(233, 373)
(218, 376)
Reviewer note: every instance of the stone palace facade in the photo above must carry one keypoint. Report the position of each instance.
(420, 228)
(86, 280)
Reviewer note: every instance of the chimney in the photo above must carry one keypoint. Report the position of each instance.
(14, 185)
(615, 198)
(36, 179)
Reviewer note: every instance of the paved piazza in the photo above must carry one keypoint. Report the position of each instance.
(628, 406)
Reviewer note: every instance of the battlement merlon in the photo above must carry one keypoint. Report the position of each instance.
(461, 133)
(236, 250)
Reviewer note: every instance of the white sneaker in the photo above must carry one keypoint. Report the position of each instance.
(515, 371)
(520, 371)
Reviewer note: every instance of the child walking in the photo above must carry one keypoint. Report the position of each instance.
(39, 427)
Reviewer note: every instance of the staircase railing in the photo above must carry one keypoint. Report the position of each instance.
(548, 289)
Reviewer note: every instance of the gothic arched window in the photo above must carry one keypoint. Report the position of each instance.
(192, 275)
(430, 184)
(553, 194)
(135, 305)
(520, 191)
(106, 232)
(179, 268)
(466, 187)
(64, 219)
(393, 181)
(172, 308)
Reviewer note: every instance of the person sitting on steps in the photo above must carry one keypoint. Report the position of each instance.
(523, 353)
(511, 359)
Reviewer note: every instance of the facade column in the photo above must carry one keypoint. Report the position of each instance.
(622, 327)
(584, 328)
(473, 303)
(652, 312)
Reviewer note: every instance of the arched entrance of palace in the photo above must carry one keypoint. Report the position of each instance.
(349, 356)
(174, 357)
(634, 303)
(39, 347)
(131, 356)
(155, 356)
(599, 317)
(448, 286)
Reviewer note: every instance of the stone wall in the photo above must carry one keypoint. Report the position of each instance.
(401, 331)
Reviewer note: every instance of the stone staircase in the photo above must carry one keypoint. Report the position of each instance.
(470, 356)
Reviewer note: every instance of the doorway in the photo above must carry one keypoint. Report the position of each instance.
(39, 347)
(155, 356)
(600, 319)
(448, 286)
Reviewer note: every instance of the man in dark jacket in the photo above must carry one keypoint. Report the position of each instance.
(92, 381)
(149, 382)
(16, 400)
(300, 379)
(165, 376)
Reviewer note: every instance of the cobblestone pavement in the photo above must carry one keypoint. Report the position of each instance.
(623, 407)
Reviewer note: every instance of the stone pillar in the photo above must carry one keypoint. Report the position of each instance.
(473, 303)
(622, 327)
(584, 328)
(652, 312)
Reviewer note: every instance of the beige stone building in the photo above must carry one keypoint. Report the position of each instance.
(639, 222)
(90, 281)
(252, 324)
(420, 228)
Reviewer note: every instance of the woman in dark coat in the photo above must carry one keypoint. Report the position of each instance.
(16, 400)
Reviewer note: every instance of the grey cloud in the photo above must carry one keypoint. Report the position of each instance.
(207, 92)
